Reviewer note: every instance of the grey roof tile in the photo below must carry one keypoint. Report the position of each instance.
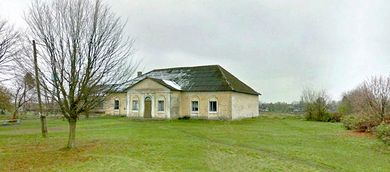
(197, 78)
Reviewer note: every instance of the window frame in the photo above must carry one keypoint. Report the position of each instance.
(216, 106)
(158, 105)
(115, 101)
(192, 106)
(133, 107)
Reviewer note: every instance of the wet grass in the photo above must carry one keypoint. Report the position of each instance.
(271, 143)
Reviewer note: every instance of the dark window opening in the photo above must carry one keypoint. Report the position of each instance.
(213, 106)
(116, 104)
(195, 106)
(160, 105)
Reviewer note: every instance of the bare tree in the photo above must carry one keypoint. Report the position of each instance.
(8, 45)
(355, 101)
(377, 96)
(369, 104)
(83, 54)
(23, 92)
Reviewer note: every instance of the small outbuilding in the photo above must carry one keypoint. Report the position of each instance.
(206, 92)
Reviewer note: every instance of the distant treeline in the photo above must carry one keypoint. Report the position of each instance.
(294, 107)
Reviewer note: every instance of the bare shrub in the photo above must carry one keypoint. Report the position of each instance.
(316, 105)
(368, 103)
(377, 96)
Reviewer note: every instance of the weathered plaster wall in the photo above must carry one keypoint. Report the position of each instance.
(231, 105)
(175, 104)
(244, 105)
(109, 104)
(223, 99)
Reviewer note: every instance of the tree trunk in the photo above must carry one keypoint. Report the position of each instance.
(14, 115)
(383, 111)
(43, 125)
(72, 133)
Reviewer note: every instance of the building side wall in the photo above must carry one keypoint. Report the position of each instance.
(175, 104)
(223, 101)
(109, 104)
(244, 105)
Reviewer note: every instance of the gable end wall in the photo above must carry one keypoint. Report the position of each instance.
(244, 105)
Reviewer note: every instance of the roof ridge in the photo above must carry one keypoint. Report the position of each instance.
(183, 67)
(224, 76)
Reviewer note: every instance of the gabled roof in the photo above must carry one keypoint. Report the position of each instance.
(198, 78)
(166, 83)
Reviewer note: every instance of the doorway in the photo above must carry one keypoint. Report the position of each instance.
(148, 108)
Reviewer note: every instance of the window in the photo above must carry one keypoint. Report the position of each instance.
(194, 106)
(160, 105)
(135, 105)
(213, 106)
(116, 104)
(100, 105)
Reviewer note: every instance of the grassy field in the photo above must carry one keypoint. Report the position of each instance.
(262, 144)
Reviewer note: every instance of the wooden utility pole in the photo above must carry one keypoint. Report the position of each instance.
(41, 115)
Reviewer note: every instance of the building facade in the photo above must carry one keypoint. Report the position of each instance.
(204, 92)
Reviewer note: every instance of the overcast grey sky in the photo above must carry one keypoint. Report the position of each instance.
(276, 47)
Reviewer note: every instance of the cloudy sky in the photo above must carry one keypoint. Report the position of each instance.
(276, 47)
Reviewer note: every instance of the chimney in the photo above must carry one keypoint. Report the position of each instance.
(139, 74)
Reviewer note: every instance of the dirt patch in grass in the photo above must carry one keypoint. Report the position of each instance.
(43, 156)
(359, 134)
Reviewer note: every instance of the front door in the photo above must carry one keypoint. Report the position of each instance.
(148, 108)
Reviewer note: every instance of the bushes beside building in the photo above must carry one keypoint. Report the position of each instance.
(367, 108)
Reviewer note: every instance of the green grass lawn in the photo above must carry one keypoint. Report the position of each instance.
(261, 144)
